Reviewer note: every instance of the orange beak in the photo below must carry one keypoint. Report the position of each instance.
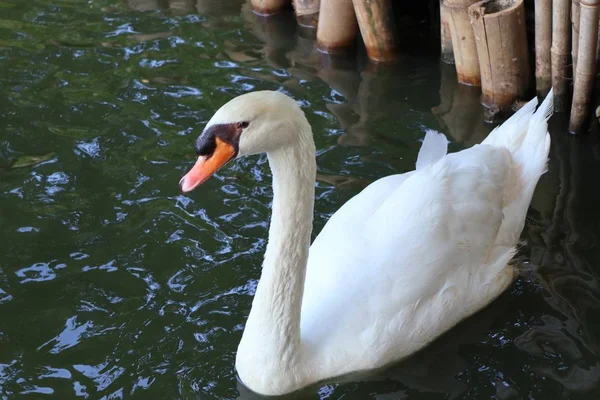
(206, 166)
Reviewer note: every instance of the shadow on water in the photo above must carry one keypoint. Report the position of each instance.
(143, 292)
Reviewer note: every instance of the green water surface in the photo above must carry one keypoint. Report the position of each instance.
(115, 286)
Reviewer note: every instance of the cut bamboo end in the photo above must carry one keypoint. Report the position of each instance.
(543, 43)
(463, 42)
(337, 27)
(447, 52)
(586, 63)
(307, 12)
(376, 23)
(560, 55)
(501, 37)
(269, 7)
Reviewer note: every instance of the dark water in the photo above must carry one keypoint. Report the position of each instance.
(113, 286)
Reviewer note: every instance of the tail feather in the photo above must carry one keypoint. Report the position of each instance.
(434, 147)
(547, 106)
(511, 133)
(526, 137)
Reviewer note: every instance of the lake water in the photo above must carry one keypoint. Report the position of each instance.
(115, 286)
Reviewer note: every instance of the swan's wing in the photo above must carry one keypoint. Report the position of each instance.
(433, 231)
(441, 222)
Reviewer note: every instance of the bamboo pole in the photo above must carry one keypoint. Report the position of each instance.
(561, 39)
(376, 23)
(269, 7)
(447, 51)
(499, 27)
(307, 12)
(575, 13)
(543, 42)
(463, 42)
(337, 26)
(598, 47)
(586, 63)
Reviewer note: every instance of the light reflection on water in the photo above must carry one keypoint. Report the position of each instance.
(112, 285)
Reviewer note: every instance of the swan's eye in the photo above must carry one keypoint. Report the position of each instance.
(243, 124)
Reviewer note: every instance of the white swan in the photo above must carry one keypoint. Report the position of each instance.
(396, 266)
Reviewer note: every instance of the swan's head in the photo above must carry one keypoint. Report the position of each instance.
(252, 123)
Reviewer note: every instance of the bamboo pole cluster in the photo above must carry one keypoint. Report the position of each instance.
(585, 50)
(489, 48)
(338, 22)
(486, 40)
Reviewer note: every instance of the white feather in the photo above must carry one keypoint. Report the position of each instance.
(434, 147)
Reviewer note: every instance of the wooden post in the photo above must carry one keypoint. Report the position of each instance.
(561, 39)
(307, 12)
(463, 42)
(499, 27)
(543, 42)
(575, 12)
(269, 7)
(586, 63)
(337, 26)
(376, 23)
(447, 53)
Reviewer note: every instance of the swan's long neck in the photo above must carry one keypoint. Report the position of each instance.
(271, 338)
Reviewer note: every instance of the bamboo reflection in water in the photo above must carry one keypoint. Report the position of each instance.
(563, 244)
(342, 76)
(219, 8)
(275, 31)
(182, 7)
(460, 113)
(370, 96)
(144, 5)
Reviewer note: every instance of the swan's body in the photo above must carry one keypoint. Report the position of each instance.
(396, 266)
